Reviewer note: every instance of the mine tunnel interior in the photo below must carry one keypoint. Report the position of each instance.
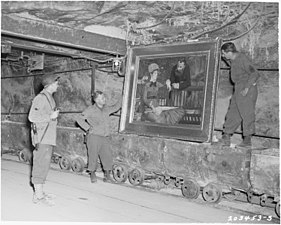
(88, 61)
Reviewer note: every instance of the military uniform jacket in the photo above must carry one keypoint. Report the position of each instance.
(96, 120)
(41, 109)
(243, 73)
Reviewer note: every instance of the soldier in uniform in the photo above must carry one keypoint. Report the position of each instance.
(242, 106)
(96, 122)
(43, 117)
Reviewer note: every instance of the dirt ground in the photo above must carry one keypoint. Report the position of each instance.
(80, 201)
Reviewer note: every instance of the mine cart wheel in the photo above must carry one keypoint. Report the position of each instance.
(250, 196)
(212, 193)
(65, 162)
(55, 158)
(159, 178)
(78, 165)
(190, 189)
(167, 180)
(24, 155)
(136, 177)
(178, 181)
(277, 209)
(120, 173)
(263, 200)
(114, 166)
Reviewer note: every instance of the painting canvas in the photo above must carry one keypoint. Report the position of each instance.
(170, 90)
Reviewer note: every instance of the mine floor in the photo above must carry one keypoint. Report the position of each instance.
(78, 200)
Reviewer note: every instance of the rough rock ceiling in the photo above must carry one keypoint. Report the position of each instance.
(147, 22)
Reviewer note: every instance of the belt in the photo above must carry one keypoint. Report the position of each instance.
(91, 132)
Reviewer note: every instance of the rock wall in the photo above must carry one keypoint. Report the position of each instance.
(74, 96)
(18, 89)
(203, 162)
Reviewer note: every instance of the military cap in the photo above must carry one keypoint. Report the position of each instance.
(49, 79)
(96, 94)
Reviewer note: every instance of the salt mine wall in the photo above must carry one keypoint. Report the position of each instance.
(73, 97)
(18, 88)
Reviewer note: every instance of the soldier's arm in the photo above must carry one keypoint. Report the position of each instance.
(82, 121)
(114, 108)
(252, 71)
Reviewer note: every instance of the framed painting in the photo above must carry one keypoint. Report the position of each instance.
(170, 90)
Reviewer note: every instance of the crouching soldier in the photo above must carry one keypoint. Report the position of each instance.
(96, 122)
(43, 117)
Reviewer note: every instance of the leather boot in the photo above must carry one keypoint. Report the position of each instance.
(38, 191)
(107, 177)
(246, 143)
(225, 140)
(39, 197)
(93, 177)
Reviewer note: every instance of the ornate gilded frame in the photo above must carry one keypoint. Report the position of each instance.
(137, 56)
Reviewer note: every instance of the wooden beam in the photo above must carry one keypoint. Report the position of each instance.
(93, 78)
(51, 48)
(40, 31)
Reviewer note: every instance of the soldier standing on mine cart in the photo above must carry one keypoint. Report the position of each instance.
(43, 117)
(96, 122)
(242, 106)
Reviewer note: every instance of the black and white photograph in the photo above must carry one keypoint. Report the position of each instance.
(140, 112)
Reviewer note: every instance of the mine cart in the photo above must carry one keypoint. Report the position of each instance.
(194, 168)
(265, 177)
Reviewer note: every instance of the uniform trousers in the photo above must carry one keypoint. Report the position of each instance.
(241, 110)
(41, 163)
(98, 146)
